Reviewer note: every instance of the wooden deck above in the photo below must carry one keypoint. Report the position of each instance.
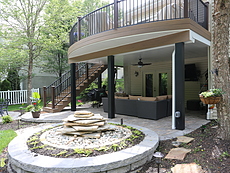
(134, 38)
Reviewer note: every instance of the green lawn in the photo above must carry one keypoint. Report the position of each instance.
(5, 137)
(17, 107)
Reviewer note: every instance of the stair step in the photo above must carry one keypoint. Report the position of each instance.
(82, 82)
(48, 109)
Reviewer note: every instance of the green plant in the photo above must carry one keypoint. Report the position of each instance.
(196, 161)
(7, 119)
(62, 153)
(34, 138)
(34, 107)
(6, 85)
(212, 93)
(2, 162)
(79, 102)
(34, 143)
(38, 147)
(225, 154)
(115, 147)
(104, 148)
(14, 79)
(120, 85)
(137, 132)
(87, 152)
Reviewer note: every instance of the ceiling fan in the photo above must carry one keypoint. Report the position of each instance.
(141, 64)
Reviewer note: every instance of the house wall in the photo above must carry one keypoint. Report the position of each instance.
(39, 80)
(135, 85)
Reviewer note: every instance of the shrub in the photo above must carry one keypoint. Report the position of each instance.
(14, 79)
(5, 86)
(7, 119)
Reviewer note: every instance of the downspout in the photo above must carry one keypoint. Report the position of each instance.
(173, 90)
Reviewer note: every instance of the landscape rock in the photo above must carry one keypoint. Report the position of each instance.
(184, 139)
(187, 168)
(85, 124)
(177, 153)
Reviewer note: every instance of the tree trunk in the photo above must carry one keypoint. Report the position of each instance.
(220, 64)
(30, 74)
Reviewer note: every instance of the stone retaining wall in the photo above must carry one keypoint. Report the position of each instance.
(23, 160)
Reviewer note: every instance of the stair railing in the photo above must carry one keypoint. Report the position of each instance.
(59, 85)
(60, 89)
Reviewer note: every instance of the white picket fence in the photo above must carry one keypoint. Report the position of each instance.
(16, 96)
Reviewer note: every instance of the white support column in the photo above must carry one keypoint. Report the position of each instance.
(173, 90)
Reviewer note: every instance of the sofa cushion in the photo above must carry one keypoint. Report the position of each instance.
(162, 97)
(169, 96)
(148, 98)
(121, 94)
(134, 97)
(116, 97)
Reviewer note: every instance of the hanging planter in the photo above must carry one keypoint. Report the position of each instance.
(210, 100)
(212, 96)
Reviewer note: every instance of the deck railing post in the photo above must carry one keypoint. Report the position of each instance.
(111, 87)
(73, 86)
(197, 13)
(186, 9)
(206, 18)
(115, 14)
(53, 96)
(87, 70)
(79, 29)
(44, 96)
(77, 71)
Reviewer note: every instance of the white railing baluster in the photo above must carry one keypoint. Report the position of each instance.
(17, 96)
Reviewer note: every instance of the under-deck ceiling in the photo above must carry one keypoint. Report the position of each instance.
(158, 54)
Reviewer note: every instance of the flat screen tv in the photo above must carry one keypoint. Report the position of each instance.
(190, 72)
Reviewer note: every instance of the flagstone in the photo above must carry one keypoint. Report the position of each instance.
(89, 128)
(177, 153)
(85, 122)
(83, 115)
(184, 139)
(187, 168)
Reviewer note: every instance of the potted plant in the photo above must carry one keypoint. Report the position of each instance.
(79, 102)
(35, 108)
(211, 96)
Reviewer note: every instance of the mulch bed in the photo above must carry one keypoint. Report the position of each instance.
(46, 150)
(208, 151)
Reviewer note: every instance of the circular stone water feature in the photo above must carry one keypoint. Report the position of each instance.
(54, 138)
(21, 159)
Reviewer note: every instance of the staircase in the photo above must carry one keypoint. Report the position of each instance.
(58, 95)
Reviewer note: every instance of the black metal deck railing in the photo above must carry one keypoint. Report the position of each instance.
(60, 89)
(124, 13)
(53, 92)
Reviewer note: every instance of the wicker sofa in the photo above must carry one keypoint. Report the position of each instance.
(142, 107)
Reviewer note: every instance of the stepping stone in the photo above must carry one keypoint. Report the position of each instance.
(177, 153)
(184, 139)
(188, 168)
